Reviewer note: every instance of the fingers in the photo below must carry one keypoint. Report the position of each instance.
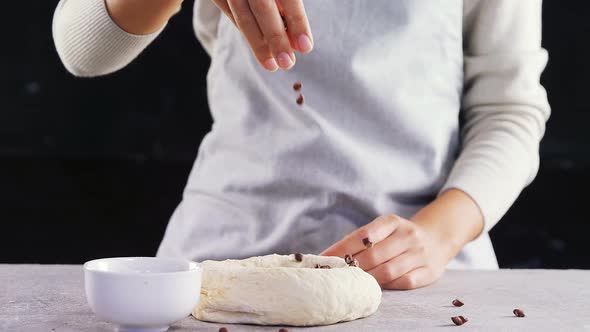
(273, 29)
(298, 27)
(397, 267)
(246, 22)
(417, 278)
(366, 236)
(400, 241)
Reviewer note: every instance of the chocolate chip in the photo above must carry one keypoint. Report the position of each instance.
(297, 86)
(465, 320)
(298, 257)
(348, 259)
(283, 330)
(317, 266)
(223, 329)
(457, 303)
(325, 267)
(367, 242)
(518, 312)
(458, 321)
(300, 99)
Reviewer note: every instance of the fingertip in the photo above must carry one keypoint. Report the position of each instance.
(305, 44)
(285, 60)
(270, 65)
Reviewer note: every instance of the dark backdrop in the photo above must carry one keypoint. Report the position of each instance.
(94, 168)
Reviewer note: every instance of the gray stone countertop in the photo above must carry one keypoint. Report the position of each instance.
(51, 298)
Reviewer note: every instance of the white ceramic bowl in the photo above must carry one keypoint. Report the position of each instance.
(142, 293)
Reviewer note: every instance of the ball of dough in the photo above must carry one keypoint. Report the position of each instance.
(279, 290)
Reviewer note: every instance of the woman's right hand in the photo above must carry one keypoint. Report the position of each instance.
(261, 22)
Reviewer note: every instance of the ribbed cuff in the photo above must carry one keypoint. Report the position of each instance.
(90, 43)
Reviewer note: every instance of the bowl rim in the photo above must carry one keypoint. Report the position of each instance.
(192, 267)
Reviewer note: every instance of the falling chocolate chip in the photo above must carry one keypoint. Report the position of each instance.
(518, 312)
(297, 86)
(458, 321)
(298, 257)
(457, 303)
(300, 99)
(367, 242)
(223, 329)
(348, 259)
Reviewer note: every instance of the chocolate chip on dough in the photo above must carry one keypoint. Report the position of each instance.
(298, 257)
(348, 259)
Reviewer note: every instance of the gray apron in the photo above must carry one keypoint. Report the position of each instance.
(378, 133)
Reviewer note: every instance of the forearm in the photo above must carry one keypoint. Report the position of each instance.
(453, 218)
(142, 17)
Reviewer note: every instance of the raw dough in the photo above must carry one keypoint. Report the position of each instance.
(278, 290)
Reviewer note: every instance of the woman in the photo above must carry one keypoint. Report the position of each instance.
(374, 163)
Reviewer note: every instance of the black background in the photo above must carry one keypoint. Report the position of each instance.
(94, 168)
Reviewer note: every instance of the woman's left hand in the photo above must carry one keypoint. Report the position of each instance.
(399, 253)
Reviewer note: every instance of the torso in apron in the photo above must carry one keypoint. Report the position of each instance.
(377, 134)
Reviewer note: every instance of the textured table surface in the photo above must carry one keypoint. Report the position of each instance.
(51, 298)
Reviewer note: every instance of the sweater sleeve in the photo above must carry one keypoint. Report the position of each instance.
(90, 43)
(205, 21)
(504, 106)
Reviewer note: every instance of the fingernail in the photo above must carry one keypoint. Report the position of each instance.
(305, 44)
(271, 64)
(284, 60)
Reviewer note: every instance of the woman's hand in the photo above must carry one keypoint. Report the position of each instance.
(271, 39)
(397, 252)
(403, 254)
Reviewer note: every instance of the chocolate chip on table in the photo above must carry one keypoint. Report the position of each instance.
(518, 312)
(223, 329)
(367, 242)
(300, 99)
(298, 257)
(348, 259)
(458, 320)
(457, 303)
(297, 86)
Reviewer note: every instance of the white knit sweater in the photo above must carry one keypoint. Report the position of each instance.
(504, 105)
